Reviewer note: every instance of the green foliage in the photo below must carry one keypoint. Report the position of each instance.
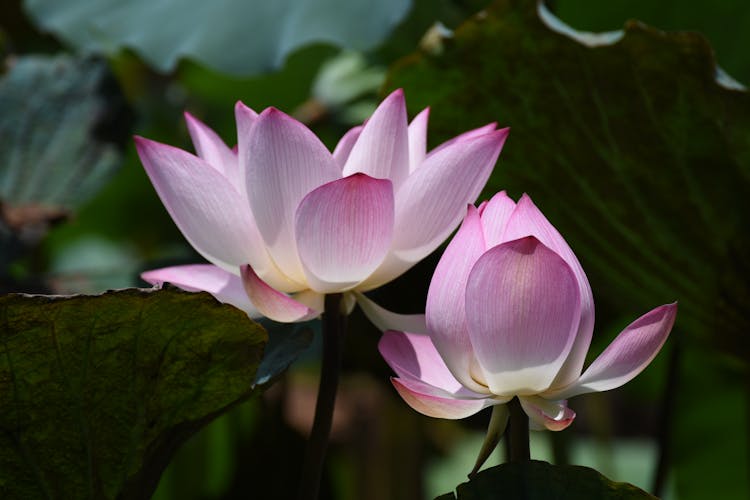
(539, 480)
(631, 148)
(233, 36)
(99, 391)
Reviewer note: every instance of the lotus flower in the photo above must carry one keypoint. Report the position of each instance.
(283, 221)
(510, 314)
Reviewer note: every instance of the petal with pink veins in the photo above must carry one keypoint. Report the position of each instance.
(382, 149)
(414, 356)
(433, 199)
(223, 285)
(418, 139)
(343, 231)
(627, 355)
(209, 211)
(495, 216)
(545, 414)
(345, 145)
(483, 130)
(209, 146)
(273, 304)
(434, 402)
(384, 319)
(283, 161)
(445, 309)
(528, 220)
(522, 310)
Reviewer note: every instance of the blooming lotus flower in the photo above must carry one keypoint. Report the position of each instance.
(283, 221)
(510, 314)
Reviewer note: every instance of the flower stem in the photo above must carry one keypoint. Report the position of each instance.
(334, 327)
(518, 432)
(498, 421)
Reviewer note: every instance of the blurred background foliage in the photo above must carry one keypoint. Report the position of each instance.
(633, 151)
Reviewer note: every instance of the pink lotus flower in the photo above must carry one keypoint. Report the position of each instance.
(283, 221)
(510, 313)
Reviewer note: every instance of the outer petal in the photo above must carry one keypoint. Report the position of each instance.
(382, 150)
(272, 303)
(225, 286)
(528, 220)
(211, 148)
(627, 355)
(415, 357)
(209, 211)
(418, 139)
(343, 231)
(522, 311)
(432, 200)
(486, 129)
(550, 415)
(435, 402)
(283, 161)
(495, 216)
(446, 310)
(387, 320)
(345, 145)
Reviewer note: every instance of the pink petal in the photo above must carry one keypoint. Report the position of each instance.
(272, 303)
(486, 129)
(627, 356)
(445, 310)
(495, 216)
(528, 220)
(225, 286)
(382, 150)
(283, 161)
(345, 145)
(245, 118)
(418, 139)
(209, 211)
(343, 231)
(435, 402)
(433, 199)
(550, 415)
(211, 148)
(384, 319)
(522, 311)
(414, 356)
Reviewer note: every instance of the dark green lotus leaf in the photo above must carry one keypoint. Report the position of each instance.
(627, 142)
(97, 392)
(536, 480)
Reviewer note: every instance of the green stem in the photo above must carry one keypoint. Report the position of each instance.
(334, 327)
(518, 432)
(498, 421)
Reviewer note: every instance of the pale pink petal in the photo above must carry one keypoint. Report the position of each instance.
(627, 355)
(283, 161)
(343, 231)
(495, 216)
(434, 402)
(433, 199)
(414, 356)
(210, 147)
(245, 118)
(550, 415)
(382, 149)
(345, 145)
(446, 310)
(387, 320)
(223, 285)
(528, 220)
(273, 304)
(418, 139)
(486, 129)
(209, 211)
(522, 311)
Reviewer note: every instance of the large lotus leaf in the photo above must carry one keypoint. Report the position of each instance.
(97, 392)
(539, 480)
(625, 140)
(240, 37)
